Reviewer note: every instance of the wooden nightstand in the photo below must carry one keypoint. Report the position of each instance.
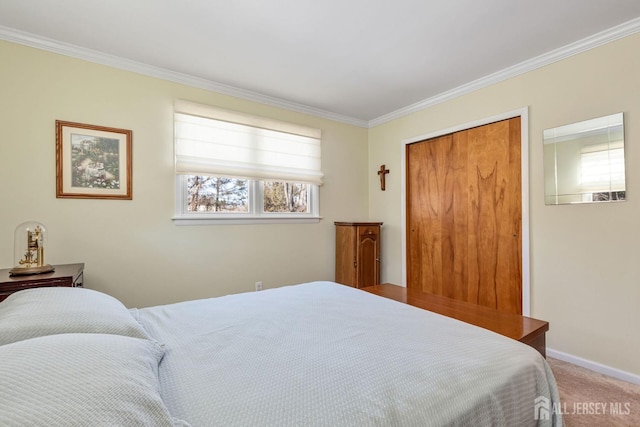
(65, 275)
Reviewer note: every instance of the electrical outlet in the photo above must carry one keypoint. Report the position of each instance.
(258, 286)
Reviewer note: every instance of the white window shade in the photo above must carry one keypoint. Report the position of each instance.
(211, 141)
(602, 170)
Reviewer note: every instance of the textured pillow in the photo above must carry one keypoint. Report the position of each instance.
(47, 311)
(82, 380)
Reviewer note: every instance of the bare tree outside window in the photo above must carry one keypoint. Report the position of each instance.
(285, 197)
(607, 196)
(208, 194)
(216, 194)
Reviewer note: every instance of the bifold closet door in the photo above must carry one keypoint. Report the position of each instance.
(464, 216)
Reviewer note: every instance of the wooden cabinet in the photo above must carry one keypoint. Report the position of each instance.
(358, 253)
(70, 275)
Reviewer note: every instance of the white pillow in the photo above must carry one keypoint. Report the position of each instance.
(82, 380)
(58, 310)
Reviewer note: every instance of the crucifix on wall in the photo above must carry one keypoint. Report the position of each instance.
(383, 173)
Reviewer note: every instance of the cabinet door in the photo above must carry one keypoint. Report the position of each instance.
(368, 256)
(346, 257)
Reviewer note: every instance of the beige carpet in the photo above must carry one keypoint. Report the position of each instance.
(592, 399)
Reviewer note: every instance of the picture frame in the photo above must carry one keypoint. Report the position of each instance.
(93, 162)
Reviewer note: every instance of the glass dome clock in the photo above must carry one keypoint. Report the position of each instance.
(30, 240)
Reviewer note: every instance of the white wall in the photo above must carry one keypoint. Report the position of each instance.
(585, 259)
(132, 249)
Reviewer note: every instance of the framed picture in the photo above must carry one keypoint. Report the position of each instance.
(92, 162)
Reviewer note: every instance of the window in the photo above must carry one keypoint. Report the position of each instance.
(231, 195)
(233, 167)
(214, 194)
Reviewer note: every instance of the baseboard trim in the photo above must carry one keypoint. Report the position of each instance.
(594, 366)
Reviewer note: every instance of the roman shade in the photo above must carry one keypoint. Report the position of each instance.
(218, 142)
(602, 167)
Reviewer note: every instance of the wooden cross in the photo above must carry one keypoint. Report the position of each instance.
(382, 172)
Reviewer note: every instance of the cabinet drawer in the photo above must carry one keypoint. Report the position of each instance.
(67, 275)
(18, 286)
(368, 231)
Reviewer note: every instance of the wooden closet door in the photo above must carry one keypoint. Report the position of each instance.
(464, 216)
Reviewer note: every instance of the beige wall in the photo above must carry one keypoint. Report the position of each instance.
(132, 249)
(585, 259)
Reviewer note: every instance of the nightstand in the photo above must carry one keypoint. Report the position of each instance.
(69, 275)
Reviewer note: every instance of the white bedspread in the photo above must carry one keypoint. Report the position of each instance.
(323, 354)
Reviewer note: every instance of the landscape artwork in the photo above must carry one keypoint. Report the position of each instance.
(95, 162)
(92, 161)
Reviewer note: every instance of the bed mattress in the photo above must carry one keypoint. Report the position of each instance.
(324, 354)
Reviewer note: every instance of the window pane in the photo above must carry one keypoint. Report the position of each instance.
(216, 194)
(286, 197)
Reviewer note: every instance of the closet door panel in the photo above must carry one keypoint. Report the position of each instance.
(464, 216)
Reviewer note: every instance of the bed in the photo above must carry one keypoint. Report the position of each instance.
(314, 354)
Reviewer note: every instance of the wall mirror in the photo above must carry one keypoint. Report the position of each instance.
(584, 162)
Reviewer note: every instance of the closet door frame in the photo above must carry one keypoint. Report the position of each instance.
(523, 113)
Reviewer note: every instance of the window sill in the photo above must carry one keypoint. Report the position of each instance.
(238, 220)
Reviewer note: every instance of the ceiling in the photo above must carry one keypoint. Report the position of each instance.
(354, 60)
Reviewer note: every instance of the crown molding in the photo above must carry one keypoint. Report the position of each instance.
(44, 43)
(599, 39)
(588, 43)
